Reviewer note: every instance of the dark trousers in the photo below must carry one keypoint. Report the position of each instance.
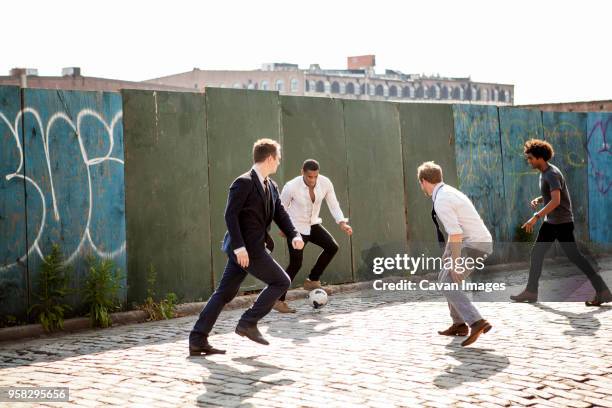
(564, 233)
(265, 269)
(320, 237)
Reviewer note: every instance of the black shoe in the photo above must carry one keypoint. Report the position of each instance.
(251, 332)
(204, 348)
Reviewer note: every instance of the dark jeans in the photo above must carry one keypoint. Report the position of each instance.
(320, 237)
(564, 233)
(265, 269)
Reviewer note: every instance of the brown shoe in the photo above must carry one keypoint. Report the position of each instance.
(251, 332)
(525, 296)
(460, 329)
(311, 285)
(282, 307)
(479, 327)
(203, 348)
(600, 298)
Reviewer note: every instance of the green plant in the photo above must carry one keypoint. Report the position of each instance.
(52, 288)
(165, 308)
(101, 290)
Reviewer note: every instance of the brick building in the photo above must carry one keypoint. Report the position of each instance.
(72, 79)
(358, 81)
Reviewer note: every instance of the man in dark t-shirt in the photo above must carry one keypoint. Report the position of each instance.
(558, 225)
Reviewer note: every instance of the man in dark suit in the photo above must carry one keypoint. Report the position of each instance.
(253, 202)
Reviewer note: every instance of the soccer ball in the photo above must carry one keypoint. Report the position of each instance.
(317, 298)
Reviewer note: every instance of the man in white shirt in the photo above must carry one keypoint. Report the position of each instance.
(468, 237)
(302, 198)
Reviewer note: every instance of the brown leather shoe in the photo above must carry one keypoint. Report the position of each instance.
(282, 307)
(203, 348)
(525, 296)
(251, 332)
(600, 298)
(460, 329)
(479, 327)
(311, 285)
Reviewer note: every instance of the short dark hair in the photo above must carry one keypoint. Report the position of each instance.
(264, 148)
(310, 165)
(540, 149)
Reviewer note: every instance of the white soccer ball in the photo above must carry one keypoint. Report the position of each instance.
(317, 298)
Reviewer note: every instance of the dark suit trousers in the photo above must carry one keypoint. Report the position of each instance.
(564, 233)
(264, 268)
(323, 239)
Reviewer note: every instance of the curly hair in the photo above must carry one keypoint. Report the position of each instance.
(539, 149)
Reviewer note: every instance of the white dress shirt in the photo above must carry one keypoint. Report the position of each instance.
(261, 180)
(459, 216)
(303, 212)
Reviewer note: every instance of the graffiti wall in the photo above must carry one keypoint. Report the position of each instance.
(599, 152)
(62, 183)
(62, 177)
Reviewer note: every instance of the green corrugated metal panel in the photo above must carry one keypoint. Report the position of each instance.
(428, 134)
(566, 131)
(313, 128)
(236, 119)
(376, 182)
(167, 193)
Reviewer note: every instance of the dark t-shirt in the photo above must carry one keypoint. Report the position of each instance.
(552, 179)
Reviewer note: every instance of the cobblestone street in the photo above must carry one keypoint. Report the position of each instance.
(363, 349)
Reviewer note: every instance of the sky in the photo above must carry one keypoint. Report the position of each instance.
(552, 51)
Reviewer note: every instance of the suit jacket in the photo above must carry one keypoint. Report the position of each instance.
(248, 221)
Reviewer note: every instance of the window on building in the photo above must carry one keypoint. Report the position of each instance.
(362, 89)
(335, 87)
(433, 92)
(350, 88)
(393, 91)
(264, 86)
(445, 92)
(280, 84)
(407, 92)
(379, 90)
(295, 85)
(320, 86)
(420, 91)
(483, 94)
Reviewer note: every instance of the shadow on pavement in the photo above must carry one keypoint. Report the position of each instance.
(475, 364)
(583, 324)
(228, 385)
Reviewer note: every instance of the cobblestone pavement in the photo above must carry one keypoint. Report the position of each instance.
(363, 349)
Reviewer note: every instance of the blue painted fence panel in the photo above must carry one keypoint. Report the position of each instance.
(566, 131)
(13, 246)
(520, 180)
(75, 190)
(479, 164)
(599, 151)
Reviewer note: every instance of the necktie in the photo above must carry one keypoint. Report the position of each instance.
(438, 232)
(268, 197)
